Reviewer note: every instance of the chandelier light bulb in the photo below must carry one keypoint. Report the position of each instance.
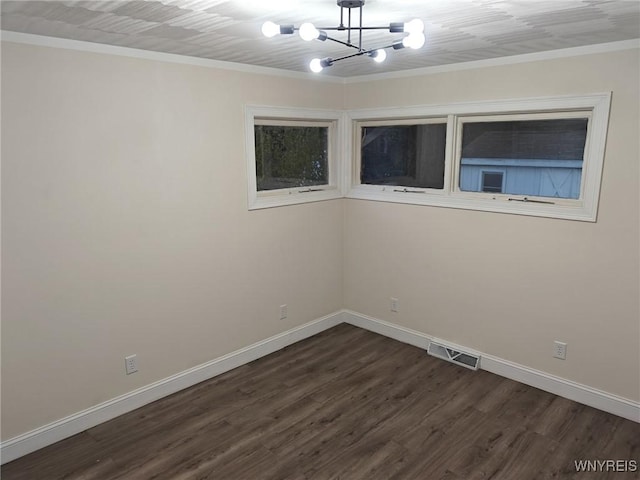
(316, 65)
(414, 40)
(270, 29)
(380, 55)
(414, 26)
(308, 32)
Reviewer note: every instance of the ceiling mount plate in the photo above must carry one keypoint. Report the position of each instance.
(350, 3)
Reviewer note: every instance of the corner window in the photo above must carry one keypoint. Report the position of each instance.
(407, 155)
(291, 156)
(539, 156)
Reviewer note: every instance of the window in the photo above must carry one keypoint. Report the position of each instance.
(410, 155)
(289, 156)
(292, 155)
(539, 156)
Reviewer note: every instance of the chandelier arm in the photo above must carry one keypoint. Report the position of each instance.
(381, 48)
(386, 27)
(361, 52)
(348, 56)
(343, 29)
(343, 43)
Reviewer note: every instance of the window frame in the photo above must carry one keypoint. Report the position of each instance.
(280, 116)
(596, 106)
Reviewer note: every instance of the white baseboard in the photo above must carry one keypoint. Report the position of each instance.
(559, 386)
(66, 427)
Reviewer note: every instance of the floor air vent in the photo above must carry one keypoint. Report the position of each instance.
(455, 356)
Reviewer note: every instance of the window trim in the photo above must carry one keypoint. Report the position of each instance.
(583, 209)
(334, 120)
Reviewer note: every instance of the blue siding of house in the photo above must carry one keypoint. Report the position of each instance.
(544, 178)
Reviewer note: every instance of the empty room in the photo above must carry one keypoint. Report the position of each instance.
(321, 239)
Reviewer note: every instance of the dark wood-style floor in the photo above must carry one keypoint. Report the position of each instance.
(345, 404)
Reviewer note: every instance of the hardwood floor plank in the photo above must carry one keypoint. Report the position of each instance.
(345, 404)
(364, 459)
(68, 459)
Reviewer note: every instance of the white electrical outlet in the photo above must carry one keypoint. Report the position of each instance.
(131, 364)
(284, 311)
(560, 350)
(395, 303)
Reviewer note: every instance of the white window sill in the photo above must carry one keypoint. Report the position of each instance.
(568, 210)
(292, 197)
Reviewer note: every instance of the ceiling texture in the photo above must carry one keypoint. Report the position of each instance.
(230, 30)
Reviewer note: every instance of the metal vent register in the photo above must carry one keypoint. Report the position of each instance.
(452, 355)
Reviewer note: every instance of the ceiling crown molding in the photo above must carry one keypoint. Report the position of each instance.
(63, 43)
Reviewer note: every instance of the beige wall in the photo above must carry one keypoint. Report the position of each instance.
(510, 285)
(126, 230)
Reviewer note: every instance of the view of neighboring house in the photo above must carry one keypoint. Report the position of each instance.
(541, 157)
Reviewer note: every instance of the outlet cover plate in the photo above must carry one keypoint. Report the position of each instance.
(560, 350)
(394, 304)
(131, 364)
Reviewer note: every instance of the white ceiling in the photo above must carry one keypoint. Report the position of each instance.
(229, 30)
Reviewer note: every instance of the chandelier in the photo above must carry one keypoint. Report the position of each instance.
(415, 38)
